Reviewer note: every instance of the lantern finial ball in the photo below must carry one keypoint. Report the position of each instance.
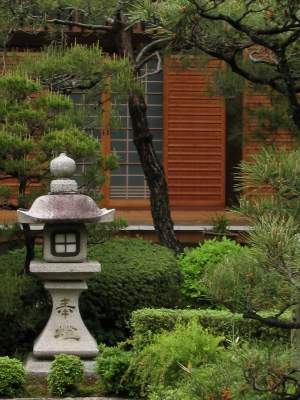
(62, 166)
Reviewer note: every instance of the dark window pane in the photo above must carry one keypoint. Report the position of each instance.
(131, 146)
(136, 180)
(157, 134)
(118, 134)
(155, 111)
(122, 170)
(133, 157)
(118, 180)
(158, 145)
(154, 87)
(119, 145)
(155, 122)
(135, 170)
(154, 99)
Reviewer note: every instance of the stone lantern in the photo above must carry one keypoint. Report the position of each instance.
(64, 267)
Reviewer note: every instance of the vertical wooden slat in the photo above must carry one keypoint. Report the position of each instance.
(194, 137)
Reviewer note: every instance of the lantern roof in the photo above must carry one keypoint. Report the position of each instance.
(64, 203)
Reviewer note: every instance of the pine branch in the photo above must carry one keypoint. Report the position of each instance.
(57, 21)
(158, 67)
(272, 321)
(149, 47)
(244, 28)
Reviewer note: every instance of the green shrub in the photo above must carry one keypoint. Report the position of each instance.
(241, 283)
(135, 274)
(24, 305)
(147, 322)
(193, 263)
(66, 372)
(12, 377)
(162, 361)
(112, 364)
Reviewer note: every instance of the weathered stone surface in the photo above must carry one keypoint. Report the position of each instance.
(65, 267)
(55, 208)
(62, 166)
(65, 331)
(79, 229)
(64, 271)
(63, 186)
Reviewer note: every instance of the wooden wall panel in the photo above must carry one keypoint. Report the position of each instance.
(194, 138)
(252, 145)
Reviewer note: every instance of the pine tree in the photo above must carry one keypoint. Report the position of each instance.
(104, 17)
(36, 125)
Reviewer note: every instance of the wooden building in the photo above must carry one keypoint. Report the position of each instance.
(200, 139)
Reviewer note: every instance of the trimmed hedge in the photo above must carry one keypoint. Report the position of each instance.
(24, 305)
(147, 322)
(135, 274)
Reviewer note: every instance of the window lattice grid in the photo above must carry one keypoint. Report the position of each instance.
(128, 181)
(65, 243)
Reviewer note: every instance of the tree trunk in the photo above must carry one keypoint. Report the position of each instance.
(142, 138)
(154, 173)
(29, 244)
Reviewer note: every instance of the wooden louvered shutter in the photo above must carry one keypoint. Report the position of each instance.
(253, 144)
(194, 138)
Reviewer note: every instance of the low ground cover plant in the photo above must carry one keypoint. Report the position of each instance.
(187, 362)
(66, 372)
(12, 377)
(195, 262)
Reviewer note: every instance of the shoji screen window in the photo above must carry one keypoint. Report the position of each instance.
(128, 181)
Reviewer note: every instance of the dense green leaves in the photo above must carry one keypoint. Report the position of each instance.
(36, 125)
(147, 322)
(197, 262)
(12, 377)
(66, 372)
(135, 274)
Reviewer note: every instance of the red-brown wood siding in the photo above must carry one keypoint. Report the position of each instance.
(252, 144)
(194, 138)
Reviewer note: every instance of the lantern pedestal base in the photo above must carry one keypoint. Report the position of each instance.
(65, 332)
(40, 368)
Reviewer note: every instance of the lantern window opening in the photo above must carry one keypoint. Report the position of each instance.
(65, 243)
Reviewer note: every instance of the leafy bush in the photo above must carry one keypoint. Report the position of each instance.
(147, 322)
(135, 274)
(24, 305)
(162, 361)
(240, 283)
(12, 377)
(193, 264)
(112, 364)
(66, 372)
